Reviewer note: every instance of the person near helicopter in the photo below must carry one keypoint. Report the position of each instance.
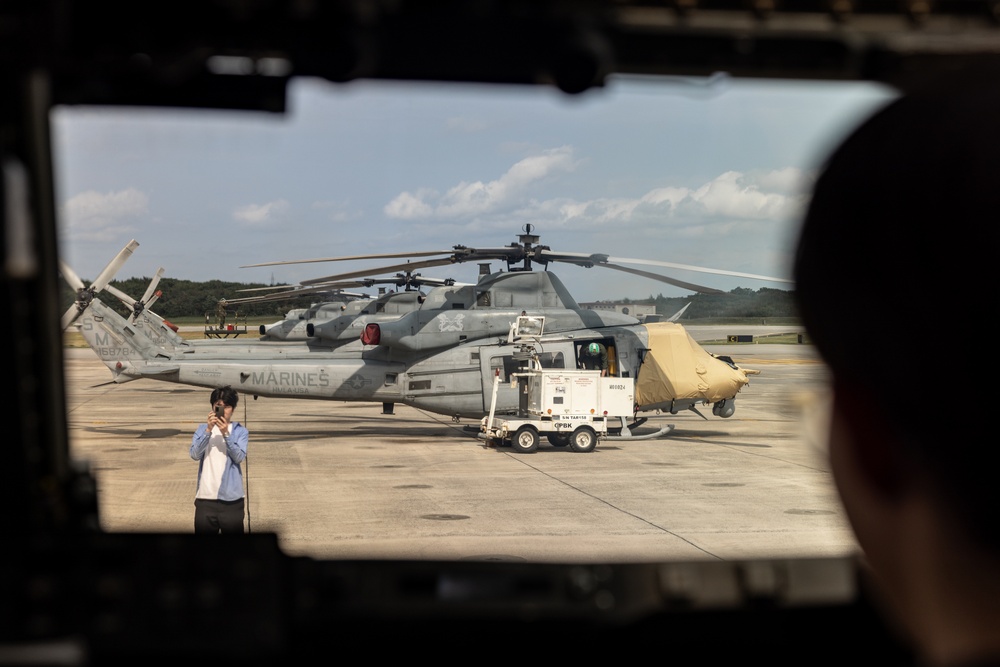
(594, 356)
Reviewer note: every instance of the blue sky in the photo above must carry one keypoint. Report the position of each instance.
(711, 173)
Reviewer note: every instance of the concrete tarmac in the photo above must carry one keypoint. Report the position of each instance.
(340, 480)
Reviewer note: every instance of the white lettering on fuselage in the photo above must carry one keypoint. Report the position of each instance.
(291, 382)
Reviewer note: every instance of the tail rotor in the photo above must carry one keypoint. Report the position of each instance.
(86, 293)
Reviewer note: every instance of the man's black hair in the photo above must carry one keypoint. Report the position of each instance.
(893, 278)
(226, 394)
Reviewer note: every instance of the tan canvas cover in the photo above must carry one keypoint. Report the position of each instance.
(677, 367)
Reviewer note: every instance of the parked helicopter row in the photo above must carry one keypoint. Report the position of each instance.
(439, 351)
(300, 324)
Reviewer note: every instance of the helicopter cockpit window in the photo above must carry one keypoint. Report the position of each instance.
(505, 365)
(508, 365)
(552, 360)
(694, 172)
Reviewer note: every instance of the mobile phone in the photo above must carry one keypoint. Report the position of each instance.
(220, 411)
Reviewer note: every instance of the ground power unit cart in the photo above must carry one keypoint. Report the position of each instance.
(568, 407)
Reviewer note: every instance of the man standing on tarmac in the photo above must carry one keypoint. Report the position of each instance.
(220, 445)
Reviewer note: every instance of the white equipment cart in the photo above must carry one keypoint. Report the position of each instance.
(570, 407)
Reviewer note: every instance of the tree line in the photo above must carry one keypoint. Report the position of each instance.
(741, 302)
(186, 298)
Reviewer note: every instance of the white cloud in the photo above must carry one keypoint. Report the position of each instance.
(789, 180)
(478, 198)
(730, 197)
(407, 206)
(261, 214)
(733, 196)
(96, 216)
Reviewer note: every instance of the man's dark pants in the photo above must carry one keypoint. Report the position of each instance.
(218, 516)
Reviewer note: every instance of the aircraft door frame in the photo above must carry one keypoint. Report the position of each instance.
(609, 343)
(502, 358)
(490, 360)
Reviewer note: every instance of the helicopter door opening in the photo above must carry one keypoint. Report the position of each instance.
(584, 361)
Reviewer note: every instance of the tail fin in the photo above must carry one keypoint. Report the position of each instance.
(159, 331)
(127, 352)
(676, 316)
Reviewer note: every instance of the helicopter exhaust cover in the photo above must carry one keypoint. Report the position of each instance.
(372, 335)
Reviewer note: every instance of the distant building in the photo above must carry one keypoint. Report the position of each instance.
(637, 310)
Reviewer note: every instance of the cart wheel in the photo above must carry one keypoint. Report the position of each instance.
(558, 439)
(525, 440)
(584, 439)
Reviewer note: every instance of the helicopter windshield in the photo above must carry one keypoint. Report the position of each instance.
(697, 173)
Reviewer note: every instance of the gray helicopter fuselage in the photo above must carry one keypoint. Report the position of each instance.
(447, 357)
(294, 324)
(411, 324)
(488, 309)
(461, 380)
(348, 324)
(456, 381)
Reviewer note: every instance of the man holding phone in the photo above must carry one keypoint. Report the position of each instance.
(220, 445)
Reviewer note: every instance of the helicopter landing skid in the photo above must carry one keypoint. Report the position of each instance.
(646, 436)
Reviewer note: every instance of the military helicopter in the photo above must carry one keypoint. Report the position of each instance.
(331, 319)
(444, 356)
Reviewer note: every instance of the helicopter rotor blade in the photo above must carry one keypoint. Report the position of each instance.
(394, 255)
(459, 253)
(112, 268)
(332, 289)
(578, 258)
(69, 317)
(526, 252)
(700, 269)
(664, 279)
(79, 287)
(122, 296)
(152, 286)
(336, 287)
(85, 294)
(156, 295)
(270, 288)
(70, 276)
(410, 266)
(136, 306)
(599, 259)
